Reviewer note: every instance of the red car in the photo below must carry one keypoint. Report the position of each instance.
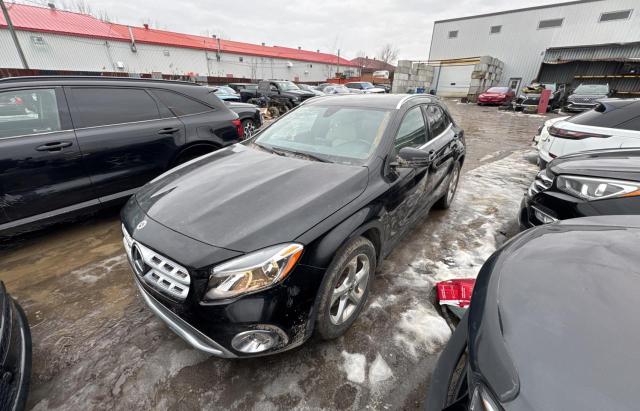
(496, 95)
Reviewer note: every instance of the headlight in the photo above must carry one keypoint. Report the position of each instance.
(597, 188)
(253, 272)
(481, 400)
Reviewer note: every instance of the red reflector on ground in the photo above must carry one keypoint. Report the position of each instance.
(455, 292)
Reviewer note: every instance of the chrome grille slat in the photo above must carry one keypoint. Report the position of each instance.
(159, 272)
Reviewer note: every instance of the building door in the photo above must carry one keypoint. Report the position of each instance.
(514, 84)
(454, 80)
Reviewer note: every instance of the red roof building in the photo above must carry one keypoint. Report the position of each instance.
(54, 21)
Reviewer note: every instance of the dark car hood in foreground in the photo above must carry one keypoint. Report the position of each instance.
(617, 164)
(244, 199)
(556, 317)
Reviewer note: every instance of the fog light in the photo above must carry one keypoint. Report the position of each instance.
(543, 217)
(255, 341)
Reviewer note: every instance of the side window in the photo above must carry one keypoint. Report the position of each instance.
(412, 131)
(273, 88)
(24, 112)
(102, 106)
(180, 105)
(438, 120)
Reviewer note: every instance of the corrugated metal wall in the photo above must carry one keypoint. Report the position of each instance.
(521, 45)
(606, 52)
(60, 52)
(614, 73)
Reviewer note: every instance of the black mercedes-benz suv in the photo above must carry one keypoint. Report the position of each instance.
(73, 144)
(552, 324)
(597, 182)
(248, 250)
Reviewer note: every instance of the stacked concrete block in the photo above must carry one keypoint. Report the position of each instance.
(410, 76)
(486, 73)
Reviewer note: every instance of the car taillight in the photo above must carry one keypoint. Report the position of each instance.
(574, 135)
(239, 128)
(455, 292)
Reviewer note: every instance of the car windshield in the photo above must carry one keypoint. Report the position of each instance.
(346, 135)
(366, 85)
(600, 89)
(287, 85)
(550, 86)
(338, 90)
(498, 90)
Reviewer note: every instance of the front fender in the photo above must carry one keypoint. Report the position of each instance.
(322, 251)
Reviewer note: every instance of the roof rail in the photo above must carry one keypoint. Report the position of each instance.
(104, 78)
(411, 96)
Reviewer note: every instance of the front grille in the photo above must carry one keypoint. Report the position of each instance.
(583, 100)
(541, 183)
(157, 271)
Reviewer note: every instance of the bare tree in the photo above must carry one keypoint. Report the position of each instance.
(388, 53)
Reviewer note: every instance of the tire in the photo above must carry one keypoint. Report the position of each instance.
(341, 283)
(445, 201)
(249, 128)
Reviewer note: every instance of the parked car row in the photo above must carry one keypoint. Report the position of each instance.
(584, 97)
(551, 305)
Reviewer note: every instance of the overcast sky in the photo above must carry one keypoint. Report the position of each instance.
(353, 26)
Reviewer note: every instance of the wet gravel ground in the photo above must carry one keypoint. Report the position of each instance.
(97, 346)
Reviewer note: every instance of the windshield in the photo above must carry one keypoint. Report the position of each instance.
(498, 90)
(366, 85)
(286, 86)
(600, 89)
(346, 135)
(224, 90)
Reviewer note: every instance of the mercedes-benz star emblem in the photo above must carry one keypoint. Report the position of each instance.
(138, 262)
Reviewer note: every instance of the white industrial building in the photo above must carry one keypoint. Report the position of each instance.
(523, 39)
(58, 40)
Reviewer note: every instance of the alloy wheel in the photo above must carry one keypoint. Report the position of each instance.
(249, 129)
(349, 290)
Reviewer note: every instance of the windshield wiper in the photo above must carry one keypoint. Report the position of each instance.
(307, 155)
(269, 149)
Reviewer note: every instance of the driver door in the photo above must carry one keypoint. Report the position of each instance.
(408, 184)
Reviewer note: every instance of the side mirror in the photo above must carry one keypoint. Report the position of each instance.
(410, 157)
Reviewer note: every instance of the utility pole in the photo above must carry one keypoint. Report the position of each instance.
(13, 34)
(337, 73)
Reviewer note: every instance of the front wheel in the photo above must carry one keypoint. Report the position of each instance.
(346, 287)
(445, 201)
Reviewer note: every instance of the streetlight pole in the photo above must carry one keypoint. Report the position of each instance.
(13, 34)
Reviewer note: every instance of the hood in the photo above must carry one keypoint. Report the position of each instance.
(616, 164)
(301, 93)
(243, 199)
(556, 295)
(237, 104)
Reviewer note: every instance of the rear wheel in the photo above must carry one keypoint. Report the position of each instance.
(249, 127)
(346, 288)
(445, 201)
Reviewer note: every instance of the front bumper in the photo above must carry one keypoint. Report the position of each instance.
(15, 353)
(286, 308)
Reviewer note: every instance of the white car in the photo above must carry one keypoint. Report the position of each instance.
(365, 87)
(613, 123)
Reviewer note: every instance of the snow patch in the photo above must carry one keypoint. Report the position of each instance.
(94, 272)
(354, 365)
(379, 370)
(422, 328)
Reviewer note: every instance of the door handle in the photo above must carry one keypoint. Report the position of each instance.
(54, 146)
(168, 130)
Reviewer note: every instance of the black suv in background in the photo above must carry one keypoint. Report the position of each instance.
(71, 144)
(284, 91)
